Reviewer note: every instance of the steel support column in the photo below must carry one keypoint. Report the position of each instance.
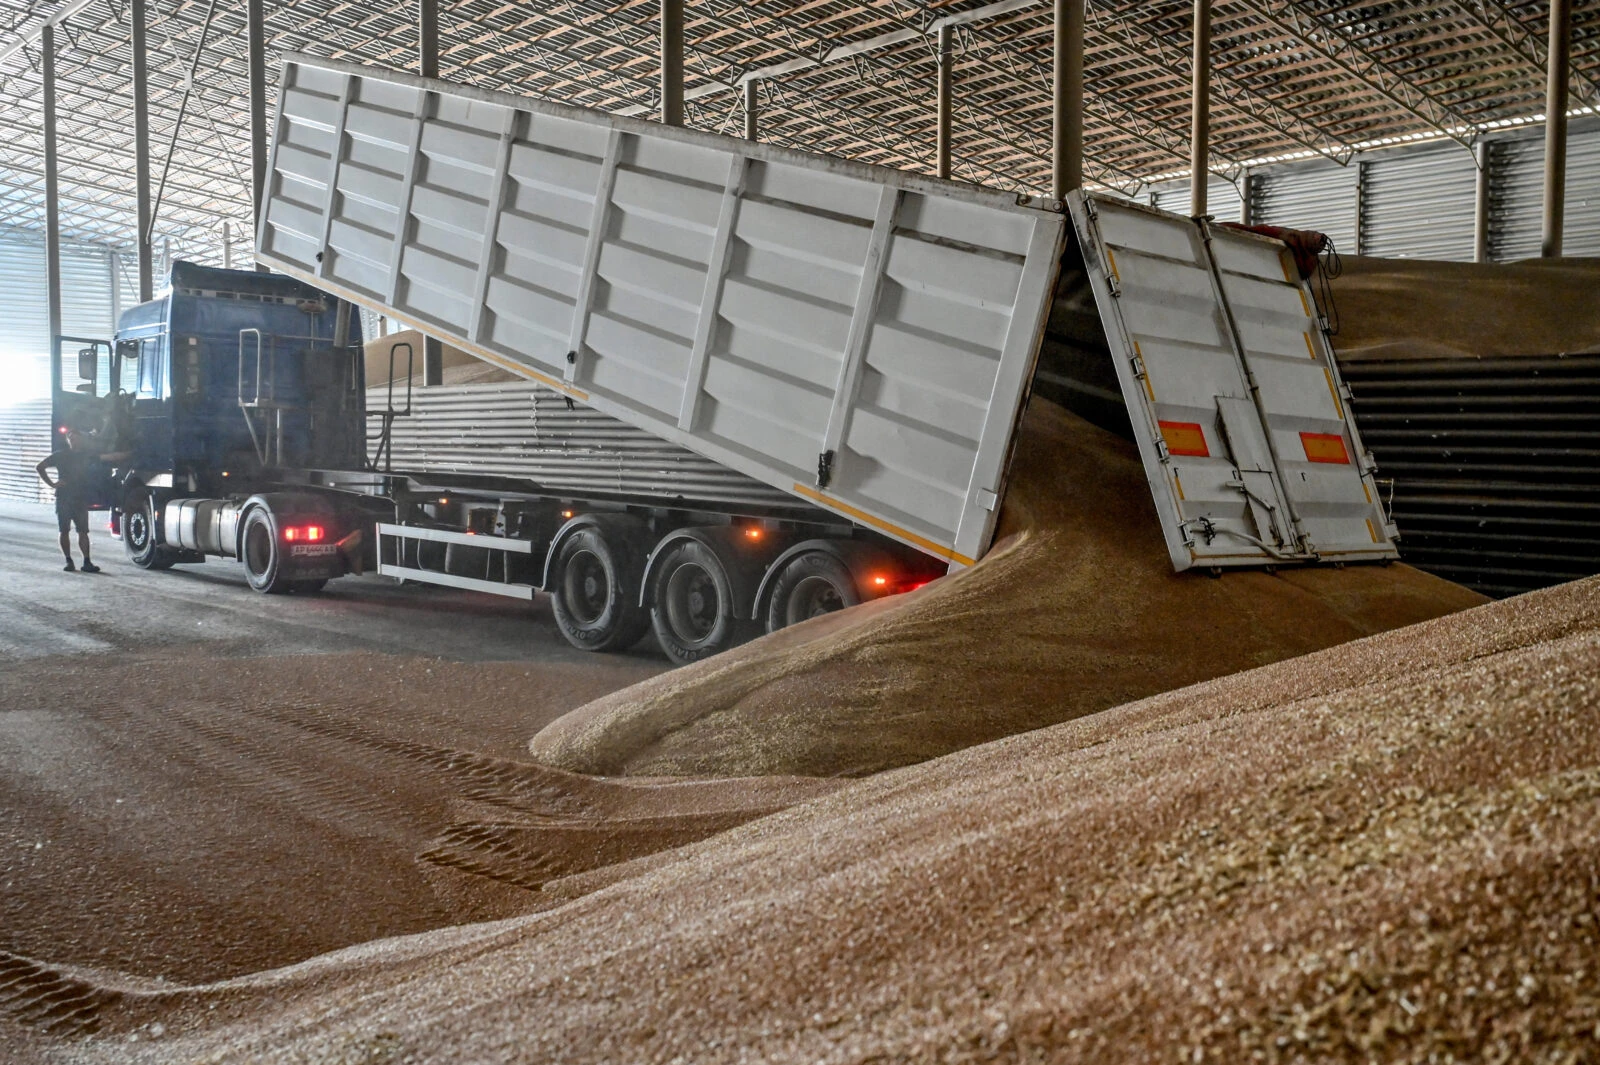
(1066, 115)
(52, 204)
(1361, 205)
(947, 61)
(428, 63)
(1480, 204)
(751, 114)
(1200, 111)
(227, 246)
(672, 62)
(428, 37)
(1247, 187)
(1555, 126)
(255, 18)
(141, 150)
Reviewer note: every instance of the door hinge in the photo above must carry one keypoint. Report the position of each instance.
(824, 469)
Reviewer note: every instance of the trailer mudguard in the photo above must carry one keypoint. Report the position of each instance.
(623, 528)
(745, 558)
(859, 558)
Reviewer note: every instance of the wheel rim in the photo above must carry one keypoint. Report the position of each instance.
(138, 530)
(693, 604)
(813, 597)
(258, 548)
(585, 587)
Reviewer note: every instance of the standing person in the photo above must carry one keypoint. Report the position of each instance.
(74, 468)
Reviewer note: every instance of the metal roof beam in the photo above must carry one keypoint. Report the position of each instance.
(1114, 23)
(1116, 113)
(1314, 30)
(1498, 20)
(29, 34)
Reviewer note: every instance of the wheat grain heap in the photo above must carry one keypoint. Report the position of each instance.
(1075, 610)
(1416, 308)
(1389, 850)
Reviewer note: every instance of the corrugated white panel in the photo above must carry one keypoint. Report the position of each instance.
(25, 325)
(1418, 204)
(1222, 199)
(24, 440)
(24, 356)
(86, 297)
(1517, 206)
(1320, 196)
(859, 337)
(1231, 391)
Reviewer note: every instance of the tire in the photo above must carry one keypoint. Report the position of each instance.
(809, 586)
(139, 535)
(693, 604)
(308, 587)
(261, 554)
(594, 592)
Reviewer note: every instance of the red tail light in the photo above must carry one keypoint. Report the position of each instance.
(304, 533)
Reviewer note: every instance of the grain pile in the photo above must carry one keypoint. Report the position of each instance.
(1077, 610)
(1385, 851)
(1413, 308)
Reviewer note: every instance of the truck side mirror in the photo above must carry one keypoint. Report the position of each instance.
(88, 365)
(127, 349)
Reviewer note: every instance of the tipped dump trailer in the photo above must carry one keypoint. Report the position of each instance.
(853, 346)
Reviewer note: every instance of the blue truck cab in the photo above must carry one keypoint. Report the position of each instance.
(210, 404)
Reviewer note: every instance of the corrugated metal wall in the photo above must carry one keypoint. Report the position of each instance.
(1516, 169)
(1320, 196)
(24, 440)
(1417, 201)
(1494, 464)
(88, 308)
(1419, 204)
(1222, 199)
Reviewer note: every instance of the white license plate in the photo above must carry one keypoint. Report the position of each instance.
(313, 550)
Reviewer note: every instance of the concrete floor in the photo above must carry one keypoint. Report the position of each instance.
(198, 781)
(210, 608)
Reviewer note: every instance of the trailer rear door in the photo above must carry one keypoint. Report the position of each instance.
(1234, 399)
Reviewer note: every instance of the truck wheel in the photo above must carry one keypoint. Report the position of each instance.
(809, 586)
(594, 593)
(139, 536)
(262, 557)
(693, 611)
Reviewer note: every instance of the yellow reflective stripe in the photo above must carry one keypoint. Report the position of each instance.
(483, 353)
(1334, 392)
(1112, 256)
(1178, 481)
(1311, 350)
(889, 527)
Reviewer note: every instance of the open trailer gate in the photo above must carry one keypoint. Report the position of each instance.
(1235, 401)
(859, 337)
